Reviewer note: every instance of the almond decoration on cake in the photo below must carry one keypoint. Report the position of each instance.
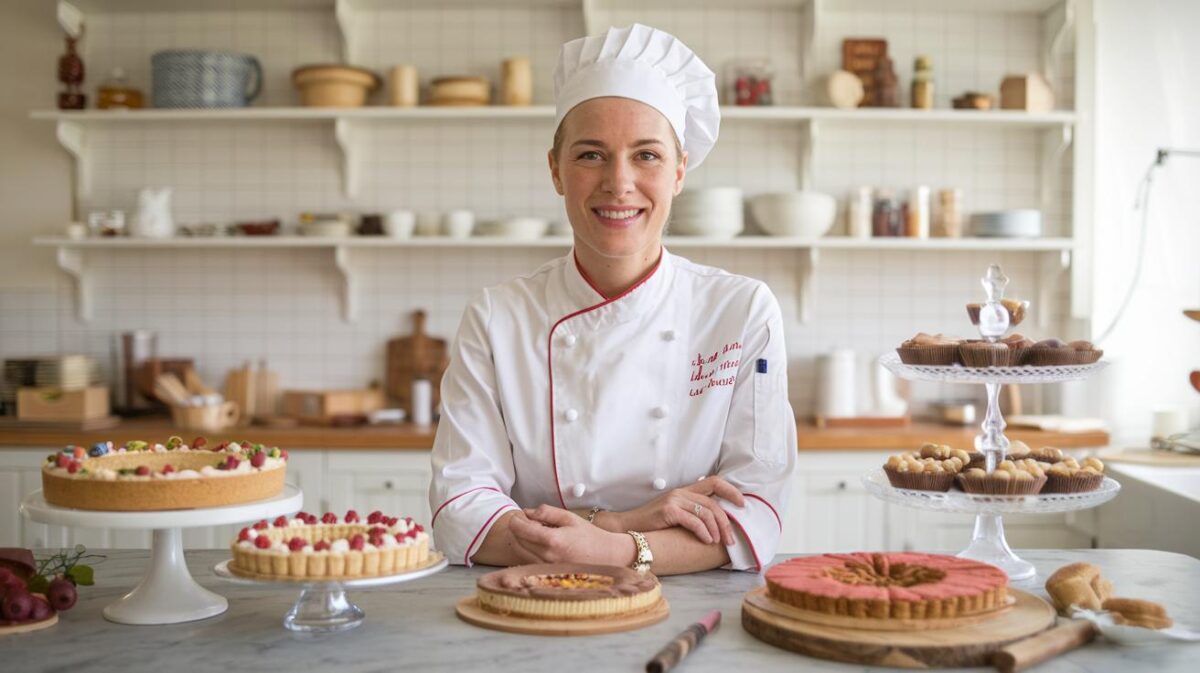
(139, 476)
(1011, 477)
(890, 585)
(568, 591)
(931, 469)
(304, 547)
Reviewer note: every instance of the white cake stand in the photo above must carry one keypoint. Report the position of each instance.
(988, 543)
(167, 594)
(322, 606)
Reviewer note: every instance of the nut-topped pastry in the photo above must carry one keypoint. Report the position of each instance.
(568, 591)
(929, 349)
(1054, 352)
(1071, 476)
(1011, 477)
(985, 354)
(931, 469)
(1045, 454)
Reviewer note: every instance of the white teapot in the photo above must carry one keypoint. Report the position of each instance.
(153, 218)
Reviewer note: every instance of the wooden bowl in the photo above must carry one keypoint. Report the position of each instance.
(334, 85)
(460, 91)
(211, 418)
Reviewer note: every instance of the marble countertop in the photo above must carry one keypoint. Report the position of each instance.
(413, 627)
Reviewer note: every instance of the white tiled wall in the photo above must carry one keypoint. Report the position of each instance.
(225, 307)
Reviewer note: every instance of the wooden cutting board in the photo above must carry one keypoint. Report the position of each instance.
(414, 357)
(1157, 457)
(971, 643)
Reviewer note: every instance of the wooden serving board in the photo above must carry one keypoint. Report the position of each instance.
(31, 626)
(971, 644)
(413, 357)
(1150, 457)
(469, 611)
(760, 599)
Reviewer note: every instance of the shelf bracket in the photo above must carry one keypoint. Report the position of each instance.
(343, 11)
(73, 138)
(590, 17)
(806, 275)
(1057, 24)
(1055, 142)
(342, 262)
(346, 136)
(810, 24)
(1052, 269)
(70, 260)
(808, 155)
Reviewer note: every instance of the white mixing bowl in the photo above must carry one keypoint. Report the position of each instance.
(795, 214)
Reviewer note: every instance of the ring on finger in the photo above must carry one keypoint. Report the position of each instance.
(697, 509)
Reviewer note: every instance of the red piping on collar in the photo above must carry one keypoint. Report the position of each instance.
(467, 555)
(757, 563)
(769, 505)
(550, 356)
(443, 505)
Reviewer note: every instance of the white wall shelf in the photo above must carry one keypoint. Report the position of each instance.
(70, 254)
(346, 125)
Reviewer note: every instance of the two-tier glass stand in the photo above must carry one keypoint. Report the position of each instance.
(988, 543)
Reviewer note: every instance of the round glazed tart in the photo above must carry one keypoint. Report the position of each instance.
(304, 548)
(567, 591)
(889, 585)
(145, 477)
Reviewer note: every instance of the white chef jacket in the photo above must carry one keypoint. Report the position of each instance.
(555, 394)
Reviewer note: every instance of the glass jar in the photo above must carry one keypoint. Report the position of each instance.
(115, 92)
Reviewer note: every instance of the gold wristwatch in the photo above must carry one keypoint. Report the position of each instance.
(644, 558)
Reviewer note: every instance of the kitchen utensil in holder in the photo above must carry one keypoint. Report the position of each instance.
(988, 543)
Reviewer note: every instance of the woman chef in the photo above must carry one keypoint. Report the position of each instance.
(619, 405)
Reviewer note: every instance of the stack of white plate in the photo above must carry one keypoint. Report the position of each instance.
(714, 212)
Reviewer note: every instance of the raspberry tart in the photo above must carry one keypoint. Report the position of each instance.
(897, 585)
(568, 591)
(308, 548)
(140, 476)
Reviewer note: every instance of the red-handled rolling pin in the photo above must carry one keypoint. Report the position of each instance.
(684, 643)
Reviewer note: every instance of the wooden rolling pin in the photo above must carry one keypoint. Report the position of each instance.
(1046, 645)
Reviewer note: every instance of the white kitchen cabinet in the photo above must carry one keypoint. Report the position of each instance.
(396, 483)
(829, 509)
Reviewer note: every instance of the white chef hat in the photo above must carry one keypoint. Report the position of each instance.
(649, 66)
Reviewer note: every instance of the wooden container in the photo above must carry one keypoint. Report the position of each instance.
(324, 407)
(460, 91)
(334, 85)
(516, 81)
(211, 418)
(1029, 92)
(56, 404)
(404, 85)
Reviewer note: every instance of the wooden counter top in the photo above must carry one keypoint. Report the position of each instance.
(410, 437)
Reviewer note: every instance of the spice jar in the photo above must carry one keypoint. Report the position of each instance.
(922, 84)
(917, 222)
(858, 213)
(888, 217)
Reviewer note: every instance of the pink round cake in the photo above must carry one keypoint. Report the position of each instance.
(889, 585)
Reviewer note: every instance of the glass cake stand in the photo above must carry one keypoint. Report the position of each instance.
(987, 542)
(322, 606)
(167, 594)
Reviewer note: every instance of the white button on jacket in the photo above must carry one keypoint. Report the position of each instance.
(716, 391)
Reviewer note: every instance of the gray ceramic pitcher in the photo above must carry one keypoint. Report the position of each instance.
(192, 78)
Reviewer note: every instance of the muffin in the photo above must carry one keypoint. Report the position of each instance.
(1069, 476)
(1019, 344)
(929, 349)
(1011, 477)
(985, 354)
(1017, 450)
(1053, 352)
(911, 471)
(1015, 307)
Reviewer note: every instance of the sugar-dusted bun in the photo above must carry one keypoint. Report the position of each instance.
(1078, 585)
(1137, 612)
